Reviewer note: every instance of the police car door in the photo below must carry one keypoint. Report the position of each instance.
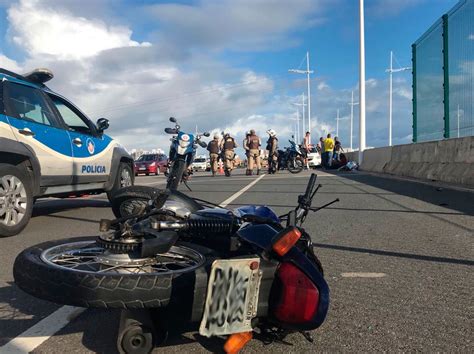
(91, 163)
(35, 125)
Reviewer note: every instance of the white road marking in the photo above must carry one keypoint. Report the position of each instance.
(239, 193)
(33, 337)
(363, 275)
(149, 184)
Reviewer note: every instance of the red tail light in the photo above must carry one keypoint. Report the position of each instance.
(297, 298)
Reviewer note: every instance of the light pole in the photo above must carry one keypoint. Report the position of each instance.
(352, 104)
(337, 123)
(458, 121)
(307, 72)
(391, 70)
(361, 82)
(297, 136)
(302, 105)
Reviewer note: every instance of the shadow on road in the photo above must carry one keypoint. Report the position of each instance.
(48, 207)
(19, 311)
(462, 201)
(396, 254)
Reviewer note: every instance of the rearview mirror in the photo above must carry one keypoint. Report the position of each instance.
(171, 131)
(173, 119)
(102, 124)
(206, 134)
(203, 144)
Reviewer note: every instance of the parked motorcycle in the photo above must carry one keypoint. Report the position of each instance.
(292, 158)
(172, 261)
(182, 153)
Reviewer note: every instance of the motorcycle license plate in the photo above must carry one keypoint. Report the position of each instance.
(232, 297)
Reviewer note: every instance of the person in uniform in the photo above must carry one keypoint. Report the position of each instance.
(246, 148)
(214, 148)
(227, 148)
(272, 147)
(254, 143)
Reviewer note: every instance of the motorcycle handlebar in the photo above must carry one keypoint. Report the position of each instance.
(310, 186)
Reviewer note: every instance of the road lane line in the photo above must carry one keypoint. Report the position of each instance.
(149, 184)
(34, 336)
(239, 193)
(362, 275)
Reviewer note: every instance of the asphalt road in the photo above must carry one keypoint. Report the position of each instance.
(398, 257)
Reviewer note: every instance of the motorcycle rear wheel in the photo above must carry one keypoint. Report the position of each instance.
(80, 272)
(295, 166)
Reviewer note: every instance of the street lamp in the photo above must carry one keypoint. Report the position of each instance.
(337, 123)
(391, 70)
(352, 104)
(297, 135)
(307, 72)
(302, 105)
(361, 82)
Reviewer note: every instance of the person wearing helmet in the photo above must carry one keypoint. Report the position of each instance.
(272, 147)
(254, 143)
(228, 145)
(214, 148)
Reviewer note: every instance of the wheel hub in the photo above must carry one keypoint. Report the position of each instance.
(13, 200)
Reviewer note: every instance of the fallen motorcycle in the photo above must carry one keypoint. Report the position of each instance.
(171, 261)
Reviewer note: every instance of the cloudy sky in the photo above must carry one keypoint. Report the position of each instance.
(218, 64)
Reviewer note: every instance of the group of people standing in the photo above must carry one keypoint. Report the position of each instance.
(224, 149)
(331, 151)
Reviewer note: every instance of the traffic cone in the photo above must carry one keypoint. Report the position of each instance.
(221, 170)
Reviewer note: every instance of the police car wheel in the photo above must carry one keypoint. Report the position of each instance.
(16, 200)
(123, 179)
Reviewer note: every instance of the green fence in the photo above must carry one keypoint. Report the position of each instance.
(443, 71)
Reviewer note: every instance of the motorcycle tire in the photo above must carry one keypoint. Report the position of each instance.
(176, 175)
(295, 166)
(137, 198)
(89, 289)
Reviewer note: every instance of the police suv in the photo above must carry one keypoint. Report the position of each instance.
(48, 147)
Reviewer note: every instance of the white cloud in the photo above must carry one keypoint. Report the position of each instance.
(238, 24)
(391, 8)
(43, 30)
(9, 64)
(471, 37)
(322, 86)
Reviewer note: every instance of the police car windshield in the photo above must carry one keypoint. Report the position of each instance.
(200, 159)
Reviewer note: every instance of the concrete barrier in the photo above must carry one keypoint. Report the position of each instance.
(450, 160)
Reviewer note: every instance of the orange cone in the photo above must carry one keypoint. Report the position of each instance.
(221, 168)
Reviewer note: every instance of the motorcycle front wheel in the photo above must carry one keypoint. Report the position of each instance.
(81, 272)
(176, 174)
(295, 165)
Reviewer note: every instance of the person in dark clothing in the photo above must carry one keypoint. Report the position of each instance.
(272, 147)
(337, 149)
(214, 149)
(254, 143)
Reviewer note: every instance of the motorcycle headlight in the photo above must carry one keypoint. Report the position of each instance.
(183, 144)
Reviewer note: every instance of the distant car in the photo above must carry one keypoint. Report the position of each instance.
(151, 164)
(314, 158)
(200, 164)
